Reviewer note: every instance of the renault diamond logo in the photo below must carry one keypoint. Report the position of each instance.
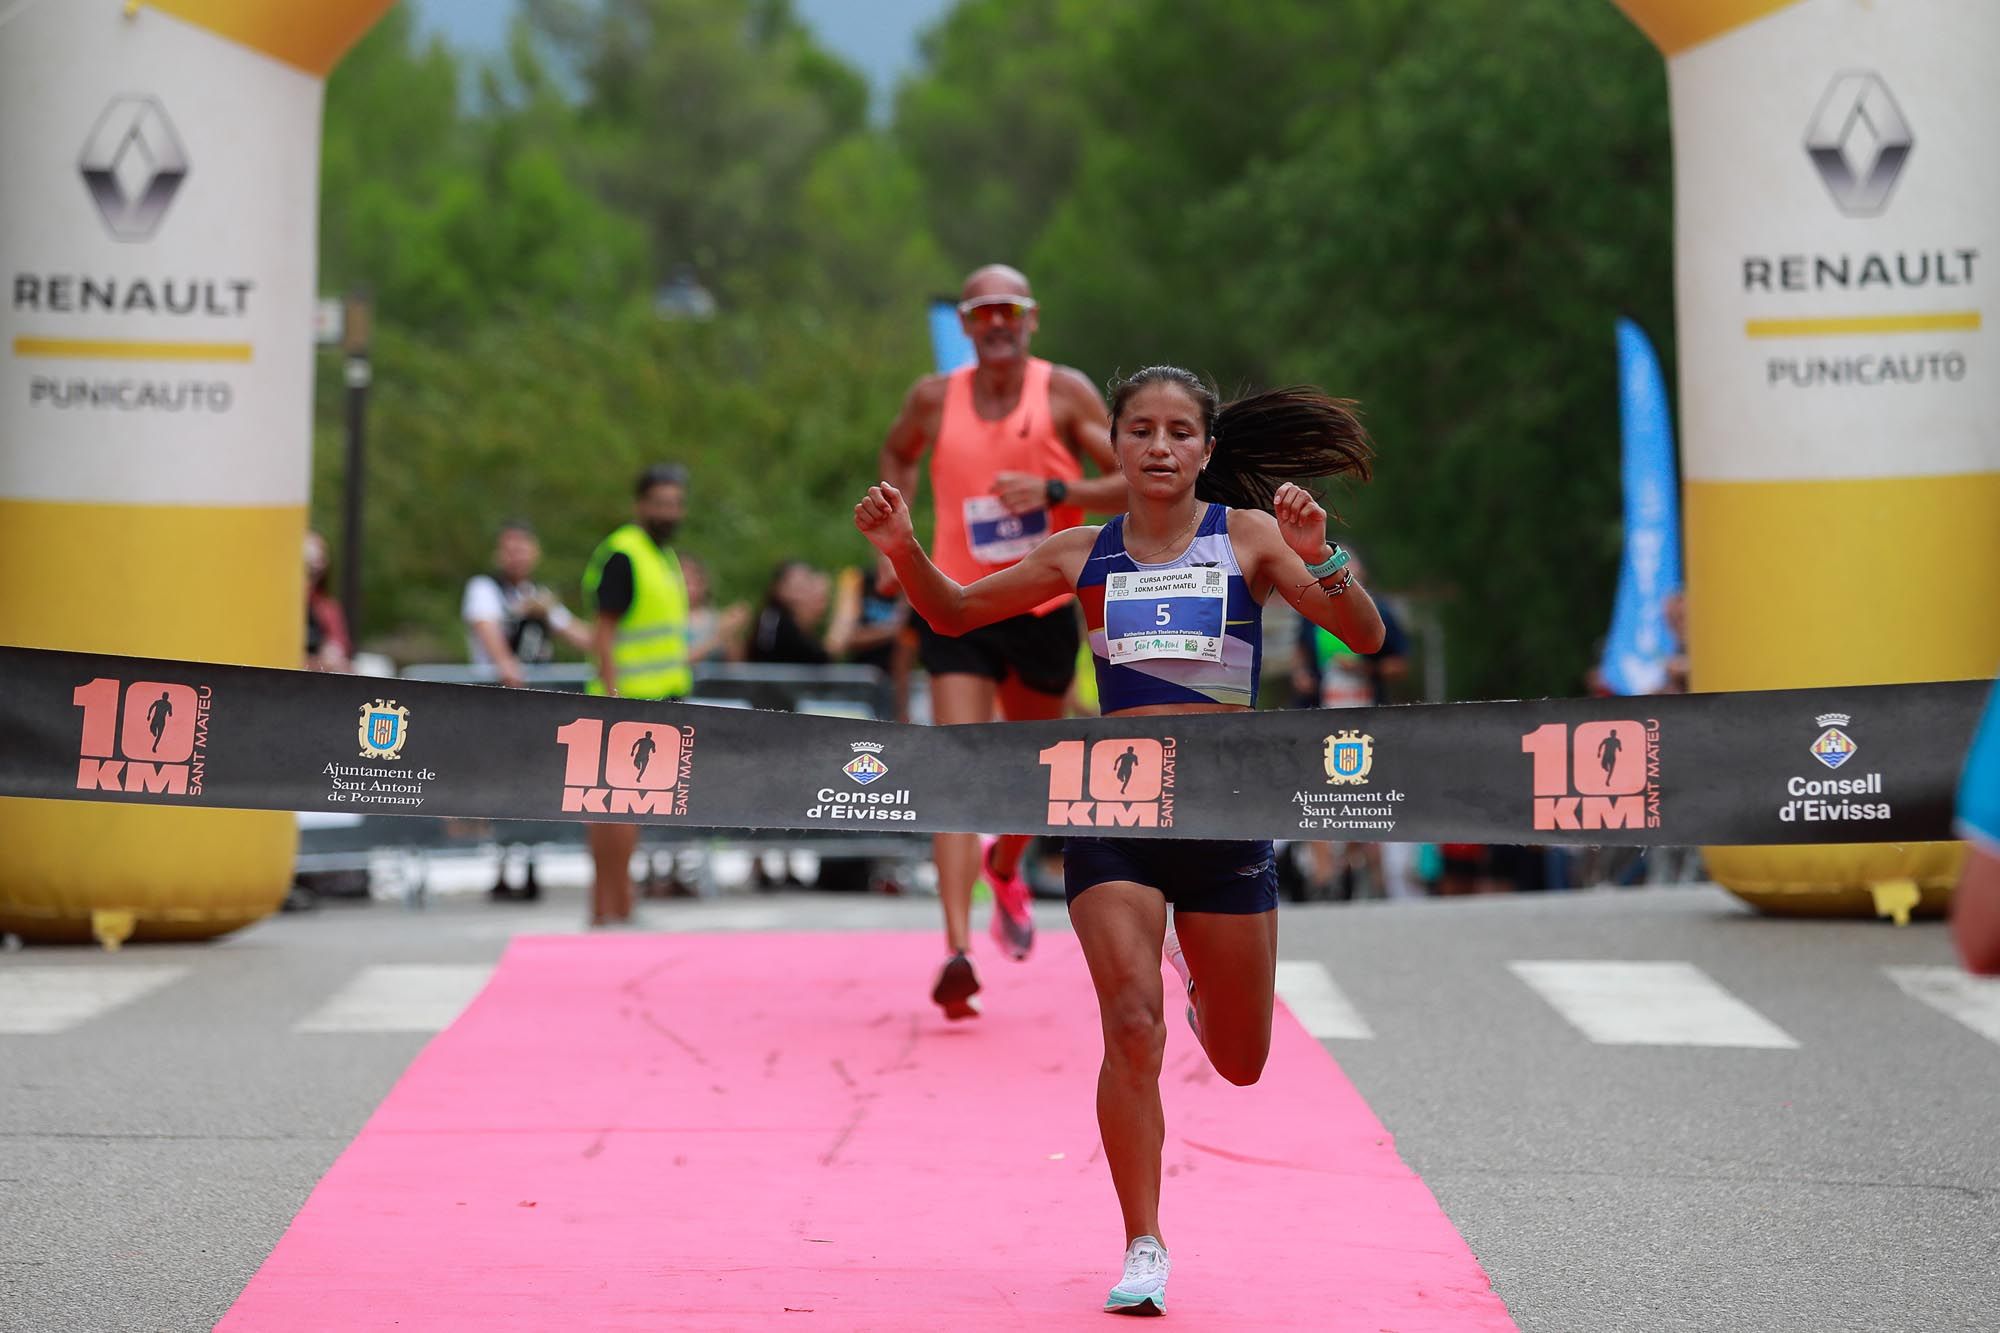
(1858, 139)
(133, 163)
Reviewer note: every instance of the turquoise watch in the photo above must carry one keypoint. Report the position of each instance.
(1332, 565)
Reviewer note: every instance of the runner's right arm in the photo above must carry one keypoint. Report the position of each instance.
(1048, 571)
(914, 430)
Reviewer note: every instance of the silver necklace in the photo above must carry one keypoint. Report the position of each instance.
(1175, 540)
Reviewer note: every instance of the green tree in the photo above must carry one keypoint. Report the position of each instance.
(1436, 208)
(999, 120)
(450, 217)
(1454, 257)
(703, 119)
(777, 415)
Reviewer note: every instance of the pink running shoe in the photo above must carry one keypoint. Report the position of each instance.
(1013, 921)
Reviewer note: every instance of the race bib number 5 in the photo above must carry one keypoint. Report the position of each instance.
(998, 537)
(1166, 613)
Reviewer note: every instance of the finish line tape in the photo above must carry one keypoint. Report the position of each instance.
(1873, 763)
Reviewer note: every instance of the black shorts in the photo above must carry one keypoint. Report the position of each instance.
(1040, 651)
(1195, 874)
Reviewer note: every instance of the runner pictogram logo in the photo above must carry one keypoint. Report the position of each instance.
(149, 736)
(1603, 775)
(625, 768)
(1123, 782)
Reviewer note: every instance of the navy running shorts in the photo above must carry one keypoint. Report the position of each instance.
(1041, 651)
(1195, 874)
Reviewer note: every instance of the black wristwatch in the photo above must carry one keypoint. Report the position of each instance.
(1057, 490)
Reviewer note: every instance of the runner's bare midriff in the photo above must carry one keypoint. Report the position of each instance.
(1165, 710)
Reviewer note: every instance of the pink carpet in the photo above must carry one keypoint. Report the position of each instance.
(779, 1131)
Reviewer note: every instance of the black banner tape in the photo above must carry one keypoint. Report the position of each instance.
(1862, 764)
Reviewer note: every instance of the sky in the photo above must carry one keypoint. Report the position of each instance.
(878, 37)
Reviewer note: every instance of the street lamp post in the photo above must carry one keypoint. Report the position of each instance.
(354, 343)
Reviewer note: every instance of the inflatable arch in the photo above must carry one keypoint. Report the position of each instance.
(1837, 199)
(158, 230)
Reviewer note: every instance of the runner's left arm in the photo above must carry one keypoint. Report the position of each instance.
(1278, 542)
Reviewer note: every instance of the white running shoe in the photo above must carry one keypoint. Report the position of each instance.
(1172, 949)
(1143, 1289)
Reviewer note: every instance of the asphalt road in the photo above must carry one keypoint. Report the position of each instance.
(1842, 1175)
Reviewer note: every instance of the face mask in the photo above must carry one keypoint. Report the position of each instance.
(662, 530)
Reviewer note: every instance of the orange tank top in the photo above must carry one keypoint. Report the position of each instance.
(974, 536)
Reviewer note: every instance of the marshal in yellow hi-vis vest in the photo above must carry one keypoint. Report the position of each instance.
(650, 651)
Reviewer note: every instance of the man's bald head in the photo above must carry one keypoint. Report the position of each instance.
(995, 280)
(997, 311)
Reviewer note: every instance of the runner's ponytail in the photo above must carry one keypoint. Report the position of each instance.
(1263, 439)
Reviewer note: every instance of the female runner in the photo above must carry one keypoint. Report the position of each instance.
(1205, 496)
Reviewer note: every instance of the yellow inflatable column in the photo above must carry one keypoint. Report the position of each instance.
(157, 232)
(1837, 186)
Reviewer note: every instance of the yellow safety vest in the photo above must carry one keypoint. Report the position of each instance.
(650, 650)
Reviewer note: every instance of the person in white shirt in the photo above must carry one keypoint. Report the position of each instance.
(509, 618)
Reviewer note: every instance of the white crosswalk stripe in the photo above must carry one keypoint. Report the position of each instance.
(1617, 1003)
(1649, 1004)
(400, 997)
(39, 1000)
(1308, 990)
(1973, 1001)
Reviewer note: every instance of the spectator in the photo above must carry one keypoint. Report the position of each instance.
(639, 603)
(1466, 868)
(885, 639)
(328, 645)
(879, 631)
(1678, 673)
(795, 602)
(511, 620)
(713, 635)
(1326, 673)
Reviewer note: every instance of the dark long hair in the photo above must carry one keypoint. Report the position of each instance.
(1263, 439)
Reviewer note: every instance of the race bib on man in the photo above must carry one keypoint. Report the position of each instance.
(1165, 614)
(998, 537)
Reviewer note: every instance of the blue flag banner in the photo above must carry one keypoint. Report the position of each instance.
(1640, 644)
(948, 340)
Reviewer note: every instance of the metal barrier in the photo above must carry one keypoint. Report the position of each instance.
(841, 690)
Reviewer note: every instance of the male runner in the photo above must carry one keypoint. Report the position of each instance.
(1007, 438)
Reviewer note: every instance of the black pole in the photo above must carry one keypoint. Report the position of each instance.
(358, 373)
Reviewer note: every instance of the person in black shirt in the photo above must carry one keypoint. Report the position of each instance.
(795, 601)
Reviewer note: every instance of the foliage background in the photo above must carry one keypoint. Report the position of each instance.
(1434, 206)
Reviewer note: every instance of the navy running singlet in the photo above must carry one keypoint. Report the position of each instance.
(1187, 631)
